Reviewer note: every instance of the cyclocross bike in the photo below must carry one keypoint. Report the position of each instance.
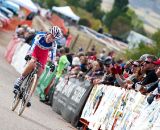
(26, 90)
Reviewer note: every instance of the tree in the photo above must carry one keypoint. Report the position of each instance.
(51, 3)
(120, 4)
(156, 37)
(92, 5)
(73, 2)
(119, 8)
(120, 26)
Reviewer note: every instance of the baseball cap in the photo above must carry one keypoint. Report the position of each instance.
(157, 62)
(76, 61)
(143, 57)
(151, 58)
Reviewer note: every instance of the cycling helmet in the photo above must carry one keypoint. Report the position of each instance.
(56, 32)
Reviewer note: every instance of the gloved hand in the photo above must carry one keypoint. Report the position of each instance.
(52, 67)
(27, 57)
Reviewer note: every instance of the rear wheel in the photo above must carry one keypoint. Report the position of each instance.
(29, 90)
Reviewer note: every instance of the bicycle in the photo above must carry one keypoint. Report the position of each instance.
(26, 90)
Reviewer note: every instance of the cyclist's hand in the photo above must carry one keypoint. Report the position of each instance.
(27, 57)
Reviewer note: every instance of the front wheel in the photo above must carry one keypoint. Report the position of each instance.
(29, 90)
(15, 101)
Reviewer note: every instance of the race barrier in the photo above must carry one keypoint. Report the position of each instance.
(114, 108)
(69, 98)
(18, 59)
(11, 49)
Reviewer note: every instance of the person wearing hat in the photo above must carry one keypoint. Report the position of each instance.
(108, 77)
(103, 53)
(157, 63)
(75, 67)
(150, 81)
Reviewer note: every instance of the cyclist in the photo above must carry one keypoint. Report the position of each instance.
(42, 44)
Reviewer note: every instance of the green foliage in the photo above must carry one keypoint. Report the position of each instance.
(89, 19)
(119, 8)
(98, 13)
(85, 22)
(47, 3)
(137, 24)
(95, 24)
(120, 4)
(142, 49)
(156, 37)
(51, 3)
(92, 5)
(120, 26)
(110, 17)
(73, 2)
(121, 19)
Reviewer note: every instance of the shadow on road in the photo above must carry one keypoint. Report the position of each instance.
(35, 122)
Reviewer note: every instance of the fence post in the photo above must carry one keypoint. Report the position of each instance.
(74, 42)
(89, 44)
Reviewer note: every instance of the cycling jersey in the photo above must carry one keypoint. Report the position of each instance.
(39, 41)
(40, 49)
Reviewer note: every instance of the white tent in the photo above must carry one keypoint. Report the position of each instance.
(67, 11)
(26, 4)
(135, 39)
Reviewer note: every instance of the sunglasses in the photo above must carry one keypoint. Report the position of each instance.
(107, 65)
(135, 65)
(147, 62)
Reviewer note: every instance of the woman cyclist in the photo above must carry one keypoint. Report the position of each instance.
(42, 44)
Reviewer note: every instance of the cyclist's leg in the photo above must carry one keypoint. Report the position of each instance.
(29, 67)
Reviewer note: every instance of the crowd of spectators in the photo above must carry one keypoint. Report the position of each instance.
(141, 75)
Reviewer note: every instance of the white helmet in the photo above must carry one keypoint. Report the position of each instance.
(56, 32)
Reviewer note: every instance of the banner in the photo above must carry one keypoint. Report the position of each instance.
(114, 108)
(18, 60)
(11, 49)
(69, 98)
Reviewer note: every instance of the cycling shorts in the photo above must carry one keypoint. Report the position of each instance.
(40, 55)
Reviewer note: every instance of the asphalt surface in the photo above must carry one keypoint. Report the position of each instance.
(38, 117)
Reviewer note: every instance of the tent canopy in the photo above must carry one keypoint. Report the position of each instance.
(26, 4)
(67, 11)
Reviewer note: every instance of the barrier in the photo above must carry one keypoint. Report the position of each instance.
(113, 108)
(18, 60)
(11, 49)
(69, 98)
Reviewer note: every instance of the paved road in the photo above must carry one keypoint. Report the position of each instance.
(38, 117)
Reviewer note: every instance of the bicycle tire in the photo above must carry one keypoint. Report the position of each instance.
(15, 102)
(26, 98)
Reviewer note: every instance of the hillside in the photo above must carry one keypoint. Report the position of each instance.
(147, 10)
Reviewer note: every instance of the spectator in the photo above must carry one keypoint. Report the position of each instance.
(62, 64)
(103, 53)
(150, 81)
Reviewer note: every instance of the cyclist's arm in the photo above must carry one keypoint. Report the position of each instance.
(53, 52)
(35, 40)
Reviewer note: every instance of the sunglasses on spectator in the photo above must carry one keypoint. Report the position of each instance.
(135, 65)
(107, 65)
(147, 62)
